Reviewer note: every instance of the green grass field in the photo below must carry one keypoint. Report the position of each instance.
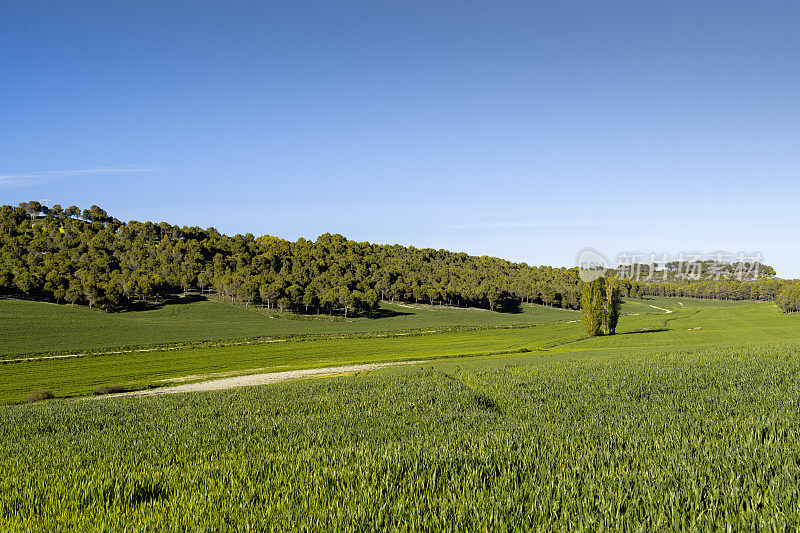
(684, 420)
(696, 439)
(36, 327)
(702, 325)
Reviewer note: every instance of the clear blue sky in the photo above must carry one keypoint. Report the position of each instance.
(522, 130)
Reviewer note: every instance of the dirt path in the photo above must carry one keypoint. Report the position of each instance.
(661, 309)
(261, 379)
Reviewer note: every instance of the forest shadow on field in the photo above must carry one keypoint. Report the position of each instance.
(512, 307)
(653, 330)
(388, 313)
(164, 302)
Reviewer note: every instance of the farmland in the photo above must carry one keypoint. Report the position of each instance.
(682, 420)
(650, 329)
(685, 438)
(38, 327)
(718, 325)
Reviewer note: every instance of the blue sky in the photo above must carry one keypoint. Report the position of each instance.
(522, 130)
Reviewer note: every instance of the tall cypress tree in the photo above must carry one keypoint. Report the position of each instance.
(612, 301)
(600, 305)
(592, 298)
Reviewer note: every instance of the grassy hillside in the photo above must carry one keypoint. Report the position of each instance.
(681, 439)
(36, 327)
(684, 328)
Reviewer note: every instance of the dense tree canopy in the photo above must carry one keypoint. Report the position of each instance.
(789, 298)
(722, 289)
(86, 256)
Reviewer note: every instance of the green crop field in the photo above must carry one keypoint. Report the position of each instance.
(650, 304)
(689, 327)
(680, 439)
(684, 420)
(37, 327)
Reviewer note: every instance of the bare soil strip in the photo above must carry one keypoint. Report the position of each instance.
(261, 379)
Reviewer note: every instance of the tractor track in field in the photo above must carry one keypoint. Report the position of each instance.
(138, 350)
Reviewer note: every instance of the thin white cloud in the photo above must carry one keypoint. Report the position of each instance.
(27, 177)
(515, 224)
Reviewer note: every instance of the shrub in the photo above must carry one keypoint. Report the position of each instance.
(38, 396)
(110, 389)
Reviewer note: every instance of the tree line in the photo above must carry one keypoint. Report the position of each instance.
(88, 257)
(766, 289)
(789, 298)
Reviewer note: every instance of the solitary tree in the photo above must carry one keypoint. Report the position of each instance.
(600, 304)
(612, 302)
(592, 299)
